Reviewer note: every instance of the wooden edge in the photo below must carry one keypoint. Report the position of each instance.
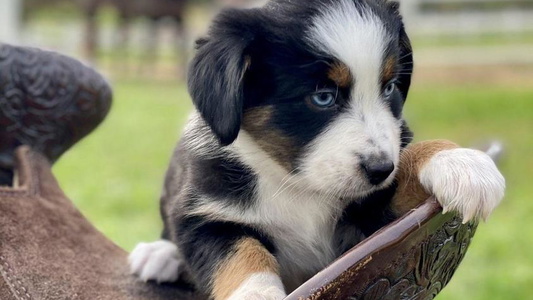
(25, 182)
(361, 254)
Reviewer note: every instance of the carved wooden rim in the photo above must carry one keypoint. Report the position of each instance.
(426, 219)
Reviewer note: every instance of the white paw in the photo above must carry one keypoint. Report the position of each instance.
(158, 261)
(260, 286)
(464, 180)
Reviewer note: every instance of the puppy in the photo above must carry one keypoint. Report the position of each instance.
(292, 154)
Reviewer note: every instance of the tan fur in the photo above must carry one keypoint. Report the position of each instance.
(273, 142)
(249, 257)
(341, 75)
(389, 69)
(410, 192)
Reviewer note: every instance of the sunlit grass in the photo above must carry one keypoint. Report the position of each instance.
(499, 263)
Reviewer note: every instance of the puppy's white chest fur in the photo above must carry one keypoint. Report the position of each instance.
(302, 225)
(300, 221)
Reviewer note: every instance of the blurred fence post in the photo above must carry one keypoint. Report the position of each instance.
(10, 20)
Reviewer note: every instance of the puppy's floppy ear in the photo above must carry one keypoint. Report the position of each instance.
(216, 74)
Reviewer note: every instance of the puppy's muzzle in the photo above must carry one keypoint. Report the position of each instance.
(377, 170)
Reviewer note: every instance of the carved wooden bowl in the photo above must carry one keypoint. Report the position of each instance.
(48, 250)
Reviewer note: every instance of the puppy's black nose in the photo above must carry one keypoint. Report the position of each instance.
(377, 170)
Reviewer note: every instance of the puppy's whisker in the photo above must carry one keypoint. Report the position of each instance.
(406, 55)
(291, 187)
(284, 181)
(282, 189)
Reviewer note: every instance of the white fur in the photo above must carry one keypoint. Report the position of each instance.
(260, 286)
(333, 158)
(158, 261)
(198, 138)
(464, 180)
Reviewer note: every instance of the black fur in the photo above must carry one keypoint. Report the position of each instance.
(228, 177)
(216, 75)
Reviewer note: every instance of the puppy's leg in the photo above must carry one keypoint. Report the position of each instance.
(230, 262)
(250, 272)
(159, 261)
(463, 180)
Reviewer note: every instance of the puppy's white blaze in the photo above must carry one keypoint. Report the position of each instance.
(264, 286)
(355, 37)
(464, 180)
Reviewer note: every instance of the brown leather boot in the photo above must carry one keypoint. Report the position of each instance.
(47, 101)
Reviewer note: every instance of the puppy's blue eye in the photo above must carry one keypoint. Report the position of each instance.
(389, 89)
(324, 98)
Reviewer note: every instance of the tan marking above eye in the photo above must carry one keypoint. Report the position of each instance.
(341, 75)
(389, 68)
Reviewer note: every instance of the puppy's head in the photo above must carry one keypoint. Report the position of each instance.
(317, 85)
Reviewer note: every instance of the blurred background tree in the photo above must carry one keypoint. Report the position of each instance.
(473, 82)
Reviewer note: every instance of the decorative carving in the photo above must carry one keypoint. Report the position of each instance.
(426, 268)
(47, 101)
(413, 258)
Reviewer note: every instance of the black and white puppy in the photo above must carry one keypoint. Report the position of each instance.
(292, 154)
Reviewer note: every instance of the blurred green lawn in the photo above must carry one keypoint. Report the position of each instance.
(115, 174)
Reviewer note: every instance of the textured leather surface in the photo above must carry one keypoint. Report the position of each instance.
(48, 250)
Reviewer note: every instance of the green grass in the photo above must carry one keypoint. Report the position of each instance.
(499, 263)
(115, 174)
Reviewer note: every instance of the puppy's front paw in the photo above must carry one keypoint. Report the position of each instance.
(464, 180)
(158, 261)
(261, 286)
